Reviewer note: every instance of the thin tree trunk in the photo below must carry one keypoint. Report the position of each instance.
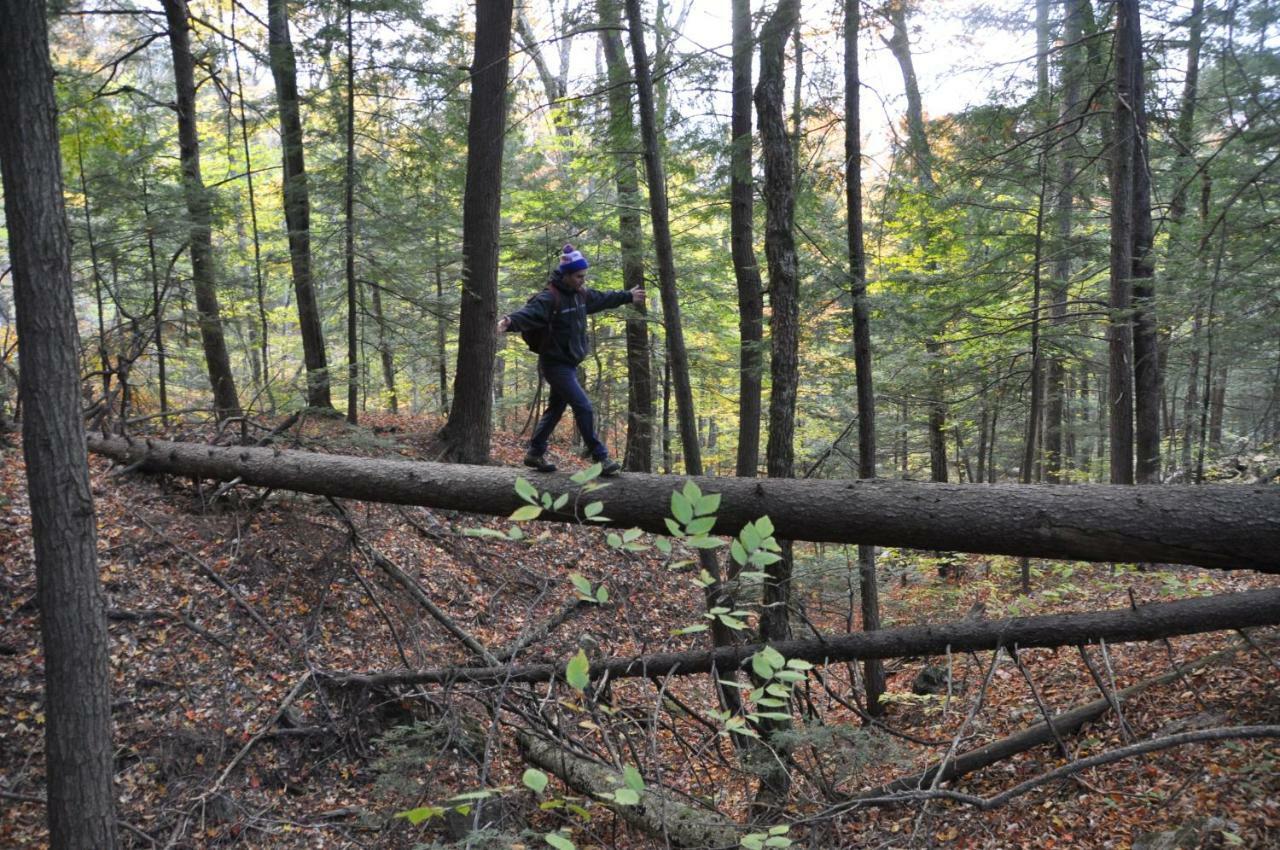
(384, 349)
(1146, 342)
(984, 415)
(297, 204)
(349, 233)
(442, 350)
(867, 584)
(73, 624)
(467, 433)
(742, 244)
(622, 135)
(784, 322)
(1120, 328)
(677, 365)
(900, 45)
(1218, 405)
(260, 288)
(784, 333)
(225, 400)
(1184, 128)
(667, 459)
(1073, 71)
(157, 298)
(937, 412)
(103, 359)
(677, 354)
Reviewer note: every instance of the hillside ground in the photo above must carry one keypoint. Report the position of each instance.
(225, 611)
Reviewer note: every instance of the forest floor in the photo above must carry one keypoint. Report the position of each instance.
(222, 613)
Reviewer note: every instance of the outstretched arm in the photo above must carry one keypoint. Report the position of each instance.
(597, 301)
(534, 314)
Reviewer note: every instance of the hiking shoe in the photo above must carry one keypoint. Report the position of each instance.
(609, 468)
(539, 463)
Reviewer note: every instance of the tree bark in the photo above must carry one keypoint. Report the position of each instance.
(466, 434)
(297, 203)
(746, 269)
(622, 136)
(260, 286)
(73, 623)
(677, 354)
(659, 812)
(1124, 149)
(784, 319)
(199, 211)
(1226, 527)
(868, 588)
(349, 232)
(1073, 70)
(900, 45)
(677, 364)
(1150, 622)
(1146, 344)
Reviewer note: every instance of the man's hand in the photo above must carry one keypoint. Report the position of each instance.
(637, 296)
(503, 324)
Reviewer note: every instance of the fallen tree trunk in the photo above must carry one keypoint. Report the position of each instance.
(1150, 622)
(1065, 723)
(1227, 527)
(658, 813)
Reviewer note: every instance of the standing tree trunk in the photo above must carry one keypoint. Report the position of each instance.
(442, 336)
(784, 321)
(297, 204)
(742, 242)
(73, 622)
(676, 374)
(1146, 343)
(384, 349)
(1184, 139)
(677, 354)
(466, 434)
(157, 299)
(1120, 328)
(900, 45)
(1073, 69)
(622, 138)
(260, 286)
(225, 400)
(349, 232)
(868, 588)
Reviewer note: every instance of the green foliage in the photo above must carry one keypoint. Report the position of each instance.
(577, 671)
(776, 836)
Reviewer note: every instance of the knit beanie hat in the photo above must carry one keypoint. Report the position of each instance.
(572, 260)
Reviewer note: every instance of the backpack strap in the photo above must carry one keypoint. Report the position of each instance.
(551, 318)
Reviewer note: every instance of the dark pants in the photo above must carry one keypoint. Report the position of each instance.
(566, 391)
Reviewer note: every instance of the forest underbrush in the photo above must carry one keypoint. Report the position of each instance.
(235, 613)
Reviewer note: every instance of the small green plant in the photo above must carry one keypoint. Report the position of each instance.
(599, 595)
(755, 547)
(775, 837)
(777, 677)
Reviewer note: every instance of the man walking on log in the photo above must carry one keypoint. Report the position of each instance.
(554, 324)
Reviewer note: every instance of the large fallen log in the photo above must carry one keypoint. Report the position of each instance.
(1150, 622)
(1227, 527)
(658, 812)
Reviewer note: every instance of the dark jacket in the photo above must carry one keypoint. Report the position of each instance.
(568, 343)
